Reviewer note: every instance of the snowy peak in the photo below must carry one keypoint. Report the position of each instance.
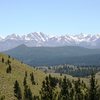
(36, 39)
(41, 37)
(76, 38)
(36, 36)
(13, 37)
(1, 38)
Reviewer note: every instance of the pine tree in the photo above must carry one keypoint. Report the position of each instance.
(17, 91)
(78, 94)
(27, 93)
(66, 87)
(24, 82)
(27, 90)
(2, 60)
(25, 78)
(8, 61)
(93, 93)
(30, 94)
(47, 92)
(32, 78)
(53, 81)
(8, 70)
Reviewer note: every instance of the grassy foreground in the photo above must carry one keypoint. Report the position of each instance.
(18, 72)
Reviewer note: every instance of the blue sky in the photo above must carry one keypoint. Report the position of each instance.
(49, 16)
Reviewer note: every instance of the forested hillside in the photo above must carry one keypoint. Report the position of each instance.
(37, 56)
(19, 81)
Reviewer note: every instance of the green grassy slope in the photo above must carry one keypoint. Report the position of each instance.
(7, 80)
(18, 72)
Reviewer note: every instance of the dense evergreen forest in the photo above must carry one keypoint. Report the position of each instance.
(60, 89)
(75, 71)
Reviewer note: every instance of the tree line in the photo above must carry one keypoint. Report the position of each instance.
(76, 71)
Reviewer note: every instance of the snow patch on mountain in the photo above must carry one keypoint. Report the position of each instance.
(13, 37)
(36, 39)
(1, 38)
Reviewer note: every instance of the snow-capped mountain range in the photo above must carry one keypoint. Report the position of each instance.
(37, 39)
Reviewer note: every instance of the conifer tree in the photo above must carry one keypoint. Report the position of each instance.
(27, 90)
(53, 81)
(8, 61)
(66, 87)
(2, 60)
(17, 91)
(24, 82)
(27, 93)
(30, 94)
(26, 74)
(81, 91)
(8, 70)
(25, 79)
(93, 92)
(47, 92)
(32, 78)
(78, 94)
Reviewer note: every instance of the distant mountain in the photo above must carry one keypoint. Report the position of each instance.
(1, 38)
(37, 56)
(42, 40)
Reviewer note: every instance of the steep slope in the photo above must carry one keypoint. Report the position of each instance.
(55, 55)
(7, 80)
(18, 72)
